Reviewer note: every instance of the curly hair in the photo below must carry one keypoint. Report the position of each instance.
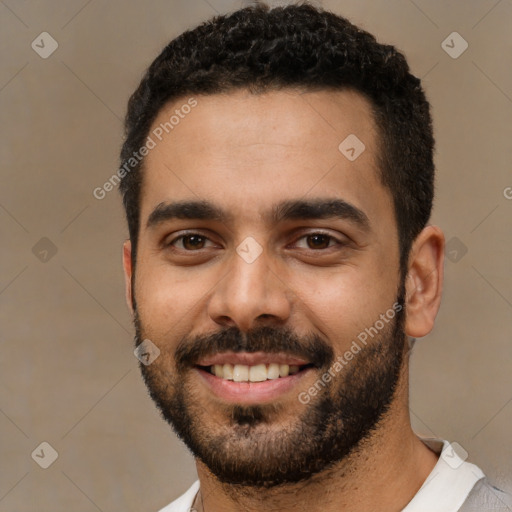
(296, 46)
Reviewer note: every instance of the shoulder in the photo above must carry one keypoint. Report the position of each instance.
(485, 496)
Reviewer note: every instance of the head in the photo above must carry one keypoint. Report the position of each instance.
(279, 214)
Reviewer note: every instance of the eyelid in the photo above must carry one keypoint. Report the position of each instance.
(340, 239)
(170, 240)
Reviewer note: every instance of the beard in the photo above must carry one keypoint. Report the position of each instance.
(275, 444)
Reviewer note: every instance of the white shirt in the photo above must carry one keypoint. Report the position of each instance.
(445, 490)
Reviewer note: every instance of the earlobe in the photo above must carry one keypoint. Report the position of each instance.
(424, 283)
(127, 266)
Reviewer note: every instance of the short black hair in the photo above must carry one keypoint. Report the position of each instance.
(296, 46)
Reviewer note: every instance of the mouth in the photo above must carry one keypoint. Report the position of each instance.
(252, 378)
(255, 373)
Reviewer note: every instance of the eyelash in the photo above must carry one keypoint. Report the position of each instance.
(329, 236)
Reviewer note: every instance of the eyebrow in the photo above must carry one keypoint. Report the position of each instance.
(193, 210)
(287, 210)
(320, 209)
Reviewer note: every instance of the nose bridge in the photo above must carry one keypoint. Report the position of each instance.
(250, 291)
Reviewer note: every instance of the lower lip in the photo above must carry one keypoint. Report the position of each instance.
(251, 392)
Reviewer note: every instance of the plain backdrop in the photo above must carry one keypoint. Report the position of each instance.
(68, 375)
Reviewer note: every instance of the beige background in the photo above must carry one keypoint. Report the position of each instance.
(68, 375)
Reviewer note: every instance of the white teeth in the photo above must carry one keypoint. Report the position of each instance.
(273, 371)
(255, 373)
(240, 373)
(228, 371)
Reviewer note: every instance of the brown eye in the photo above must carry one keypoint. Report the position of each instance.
(318, 241)
(191, 242)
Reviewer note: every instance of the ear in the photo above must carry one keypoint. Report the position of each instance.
(127, 265)
(424, 283)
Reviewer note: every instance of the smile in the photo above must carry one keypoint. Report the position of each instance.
(256, 373)
(251, 378)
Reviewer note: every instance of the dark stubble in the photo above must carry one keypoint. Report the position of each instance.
(249, 447)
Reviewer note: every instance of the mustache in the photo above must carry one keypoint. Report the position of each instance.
(311, 347)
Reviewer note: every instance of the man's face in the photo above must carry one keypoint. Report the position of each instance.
(285, 253)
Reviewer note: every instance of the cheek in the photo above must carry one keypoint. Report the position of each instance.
(169, 299)
(343, 302)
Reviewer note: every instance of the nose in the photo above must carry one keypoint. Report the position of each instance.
(250, 295)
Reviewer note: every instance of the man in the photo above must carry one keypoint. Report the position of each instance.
(278, 182)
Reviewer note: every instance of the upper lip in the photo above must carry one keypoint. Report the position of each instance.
(251, 359)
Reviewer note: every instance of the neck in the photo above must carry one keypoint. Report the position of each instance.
(383, 473)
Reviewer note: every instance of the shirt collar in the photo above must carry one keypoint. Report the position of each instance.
(449, 483)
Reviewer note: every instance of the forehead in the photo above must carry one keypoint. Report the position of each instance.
(248, 151)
